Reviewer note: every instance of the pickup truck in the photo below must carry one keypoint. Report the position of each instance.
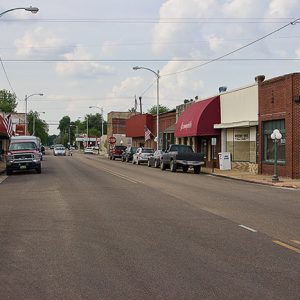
(116, 152)
(23, 155)
(181, 156)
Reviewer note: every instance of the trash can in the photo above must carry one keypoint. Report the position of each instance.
(225, 161)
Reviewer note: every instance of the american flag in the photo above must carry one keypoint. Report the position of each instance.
(7, 122)
(147, 133)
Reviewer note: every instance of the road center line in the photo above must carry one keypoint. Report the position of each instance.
(287, 246)
(296, 242)
(248, 228)
(121, 176)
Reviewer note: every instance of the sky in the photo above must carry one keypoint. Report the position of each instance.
(82, 53)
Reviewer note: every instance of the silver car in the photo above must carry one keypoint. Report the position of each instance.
(59, 151)
(141, 155)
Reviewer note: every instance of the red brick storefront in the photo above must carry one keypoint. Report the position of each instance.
(279, 106)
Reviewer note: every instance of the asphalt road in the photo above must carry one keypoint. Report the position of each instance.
(90, 228)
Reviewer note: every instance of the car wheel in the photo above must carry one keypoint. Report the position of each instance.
(173, 166)
(156, 164)
(8, 172)
(39, 170)
(149, 164)
(197, 169)
(162, 166)
(185, 169)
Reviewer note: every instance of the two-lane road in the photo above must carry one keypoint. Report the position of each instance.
(90, 228)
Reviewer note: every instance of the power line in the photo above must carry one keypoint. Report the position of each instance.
(234, 51)
(159, 60)
(160, 20)
(3, 68)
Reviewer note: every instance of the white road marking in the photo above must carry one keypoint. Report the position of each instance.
(248, 228)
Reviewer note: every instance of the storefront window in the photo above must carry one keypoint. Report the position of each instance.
(185, 140)
(203, 148)
(268, 143)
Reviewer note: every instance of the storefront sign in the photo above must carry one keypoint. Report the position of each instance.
(186, 126)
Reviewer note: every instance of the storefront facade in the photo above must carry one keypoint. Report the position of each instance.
(279, 108)
(239, 125)
(195, 127)
(135, 128)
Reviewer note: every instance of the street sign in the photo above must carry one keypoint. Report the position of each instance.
(112, 140)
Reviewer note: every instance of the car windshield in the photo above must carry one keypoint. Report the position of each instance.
(23, 146)
(59, 148)
(120, 147)
(147, 151)
(182, 149)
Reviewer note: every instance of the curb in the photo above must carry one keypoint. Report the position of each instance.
(279, 184)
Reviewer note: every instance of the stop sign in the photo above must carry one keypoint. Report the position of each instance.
(112, 140)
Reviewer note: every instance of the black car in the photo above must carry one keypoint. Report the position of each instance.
(128, 153)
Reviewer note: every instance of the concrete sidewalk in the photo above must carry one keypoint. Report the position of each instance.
(255, 178)
(233, 174)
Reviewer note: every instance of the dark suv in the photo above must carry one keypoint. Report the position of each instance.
(128, 153)
(116, 152)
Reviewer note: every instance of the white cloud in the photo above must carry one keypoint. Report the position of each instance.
(282, 8)
(108, 47)
(83, 69)
(38, 42)
(171, 32)
(215, 42)
(243, 8)
(117, 99)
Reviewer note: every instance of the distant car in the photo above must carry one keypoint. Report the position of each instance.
(154, 160)
(128, 153)
(88, 150)
(141, 155)
(59, 151)
(116, 152)
(51, 147)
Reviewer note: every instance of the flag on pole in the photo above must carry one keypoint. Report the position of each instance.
(8, 125)
(147, 133)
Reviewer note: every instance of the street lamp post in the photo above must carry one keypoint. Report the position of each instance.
(157, 104)
(101, 134)
(26, 99)
(276, 137)
(33, 121)
(87, 131)
(34, 10)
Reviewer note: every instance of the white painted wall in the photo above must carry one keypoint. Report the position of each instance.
(239, 105)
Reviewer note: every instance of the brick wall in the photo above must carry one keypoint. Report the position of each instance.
(276, 101)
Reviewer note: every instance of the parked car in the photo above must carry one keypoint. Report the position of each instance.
(141, 155)
(181, 156)
(23, 155)
(88, 150)
(59, 151)
(154, 160)
(116, 152)
(128, 153)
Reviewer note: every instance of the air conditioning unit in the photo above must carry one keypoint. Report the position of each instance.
(297, 98)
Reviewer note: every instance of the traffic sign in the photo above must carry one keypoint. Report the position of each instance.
(112, 140)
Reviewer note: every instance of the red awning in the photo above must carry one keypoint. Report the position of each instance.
(2, 127)
(199, 119)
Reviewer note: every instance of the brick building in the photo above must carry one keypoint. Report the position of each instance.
(279, 108)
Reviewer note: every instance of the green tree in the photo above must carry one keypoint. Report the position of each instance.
(41, 127)
(162, 109)
(8, 101)
(64, 124)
